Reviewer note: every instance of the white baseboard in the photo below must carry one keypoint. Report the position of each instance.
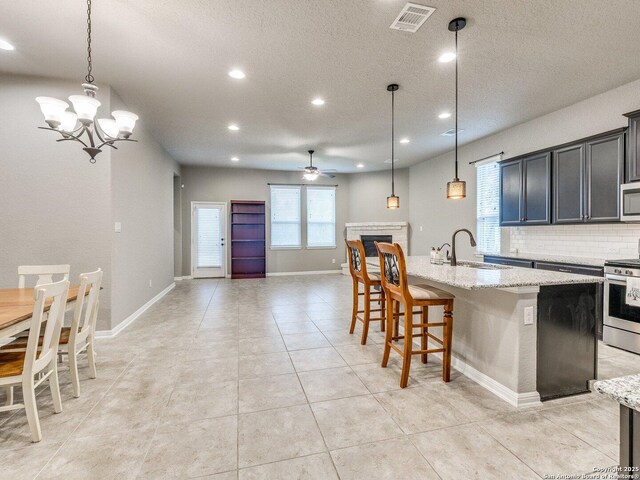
(313, 272)
(519, 400)
(188, 277)
(131, 318)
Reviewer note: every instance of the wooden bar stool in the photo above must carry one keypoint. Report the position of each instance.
(358, 269)
(398, 291)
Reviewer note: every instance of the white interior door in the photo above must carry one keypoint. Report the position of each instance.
(208, 232)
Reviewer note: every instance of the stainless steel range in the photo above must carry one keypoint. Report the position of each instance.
(621, 321)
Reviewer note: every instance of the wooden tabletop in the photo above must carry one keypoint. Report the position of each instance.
(16, 304)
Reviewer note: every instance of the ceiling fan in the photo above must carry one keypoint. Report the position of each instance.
(311, 172)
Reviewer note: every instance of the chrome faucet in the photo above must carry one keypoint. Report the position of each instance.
(453, 244)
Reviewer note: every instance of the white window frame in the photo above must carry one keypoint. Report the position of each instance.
(482, 219)
(271, 222)
(318, 246)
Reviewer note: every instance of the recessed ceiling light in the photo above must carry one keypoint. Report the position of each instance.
(404, 140)
(317, 101)
(444, 115)
(233, 127)
(239, 74)
(447, 57)
(451, 132)
(235, 159)
(360, 165)
(4, 45)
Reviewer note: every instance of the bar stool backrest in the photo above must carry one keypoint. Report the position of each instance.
(357, 259)
(45, 273)
(393, 269)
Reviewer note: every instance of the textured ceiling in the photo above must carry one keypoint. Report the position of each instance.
(169, 59)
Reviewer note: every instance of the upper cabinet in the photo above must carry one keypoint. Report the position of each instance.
(586, 180)
(525, 191)
(633, 153)
(575, 183)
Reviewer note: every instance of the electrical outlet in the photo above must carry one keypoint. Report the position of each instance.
(420, 227)
(150, 283)
(333, 260)
(118, 227)
(528, 315)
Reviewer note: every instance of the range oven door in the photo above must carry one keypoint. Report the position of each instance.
(616, 311)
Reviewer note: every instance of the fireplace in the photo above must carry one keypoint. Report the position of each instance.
(370, 249)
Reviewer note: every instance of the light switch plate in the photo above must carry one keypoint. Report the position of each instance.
(528, 315)
(118, 227)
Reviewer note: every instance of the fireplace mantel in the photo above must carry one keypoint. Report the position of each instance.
(398, 230)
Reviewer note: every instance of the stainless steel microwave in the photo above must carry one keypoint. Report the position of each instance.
(630, 202)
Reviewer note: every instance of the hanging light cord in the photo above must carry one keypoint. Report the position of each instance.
(89, 77)
(456, 132)
(392, 143)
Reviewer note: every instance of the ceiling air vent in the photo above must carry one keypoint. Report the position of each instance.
(412, 17)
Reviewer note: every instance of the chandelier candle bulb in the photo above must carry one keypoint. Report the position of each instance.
(86, 108)
(125, 122)
(69, 122)
(52, 109)
(109, 127)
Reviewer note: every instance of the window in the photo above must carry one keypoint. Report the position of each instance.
(488, 207)
(321, 217)
(285, 217)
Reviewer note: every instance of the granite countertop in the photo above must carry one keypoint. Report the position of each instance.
(544, 257)
(625, 390)
(495, 276)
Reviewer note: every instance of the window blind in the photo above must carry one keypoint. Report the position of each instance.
(285, 216)
(209, 235)
(488, 207)
(321, 216)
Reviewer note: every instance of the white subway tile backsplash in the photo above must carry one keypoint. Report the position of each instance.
(601, 241)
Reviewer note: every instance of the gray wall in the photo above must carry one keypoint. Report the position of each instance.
(55, 205)
(59, 208)
(368, 194)
(213, 184)
(440, 217)
(142, 201)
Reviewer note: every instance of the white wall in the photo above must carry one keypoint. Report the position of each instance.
(440, 217)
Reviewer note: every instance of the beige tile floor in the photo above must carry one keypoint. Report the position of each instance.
(259, 379)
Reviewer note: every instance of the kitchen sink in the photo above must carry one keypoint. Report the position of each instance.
(483, 266)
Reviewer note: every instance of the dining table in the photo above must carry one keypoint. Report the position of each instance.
(16, 308)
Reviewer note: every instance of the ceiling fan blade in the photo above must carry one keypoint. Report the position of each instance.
(326, 175)
(301, 168)
(329, 170)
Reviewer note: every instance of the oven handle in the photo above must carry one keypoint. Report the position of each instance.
(616, 279)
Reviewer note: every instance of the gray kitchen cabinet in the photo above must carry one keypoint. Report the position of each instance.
(633, 152)
(510, 193)
(568, 184)
(604, 174)
(525, 191)
(586, 180)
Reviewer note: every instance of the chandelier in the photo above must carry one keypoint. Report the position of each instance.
(80, 125)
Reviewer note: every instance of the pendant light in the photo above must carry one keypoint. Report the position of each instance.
(393, 201)
(456, 188)
(81, 125)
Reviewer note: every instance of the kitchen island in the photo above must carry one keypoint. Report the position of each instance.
(524, 334)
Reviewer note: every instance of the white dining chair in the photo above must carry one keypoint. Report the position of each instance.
(80, 336)
(22, 368)
(45, 273)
